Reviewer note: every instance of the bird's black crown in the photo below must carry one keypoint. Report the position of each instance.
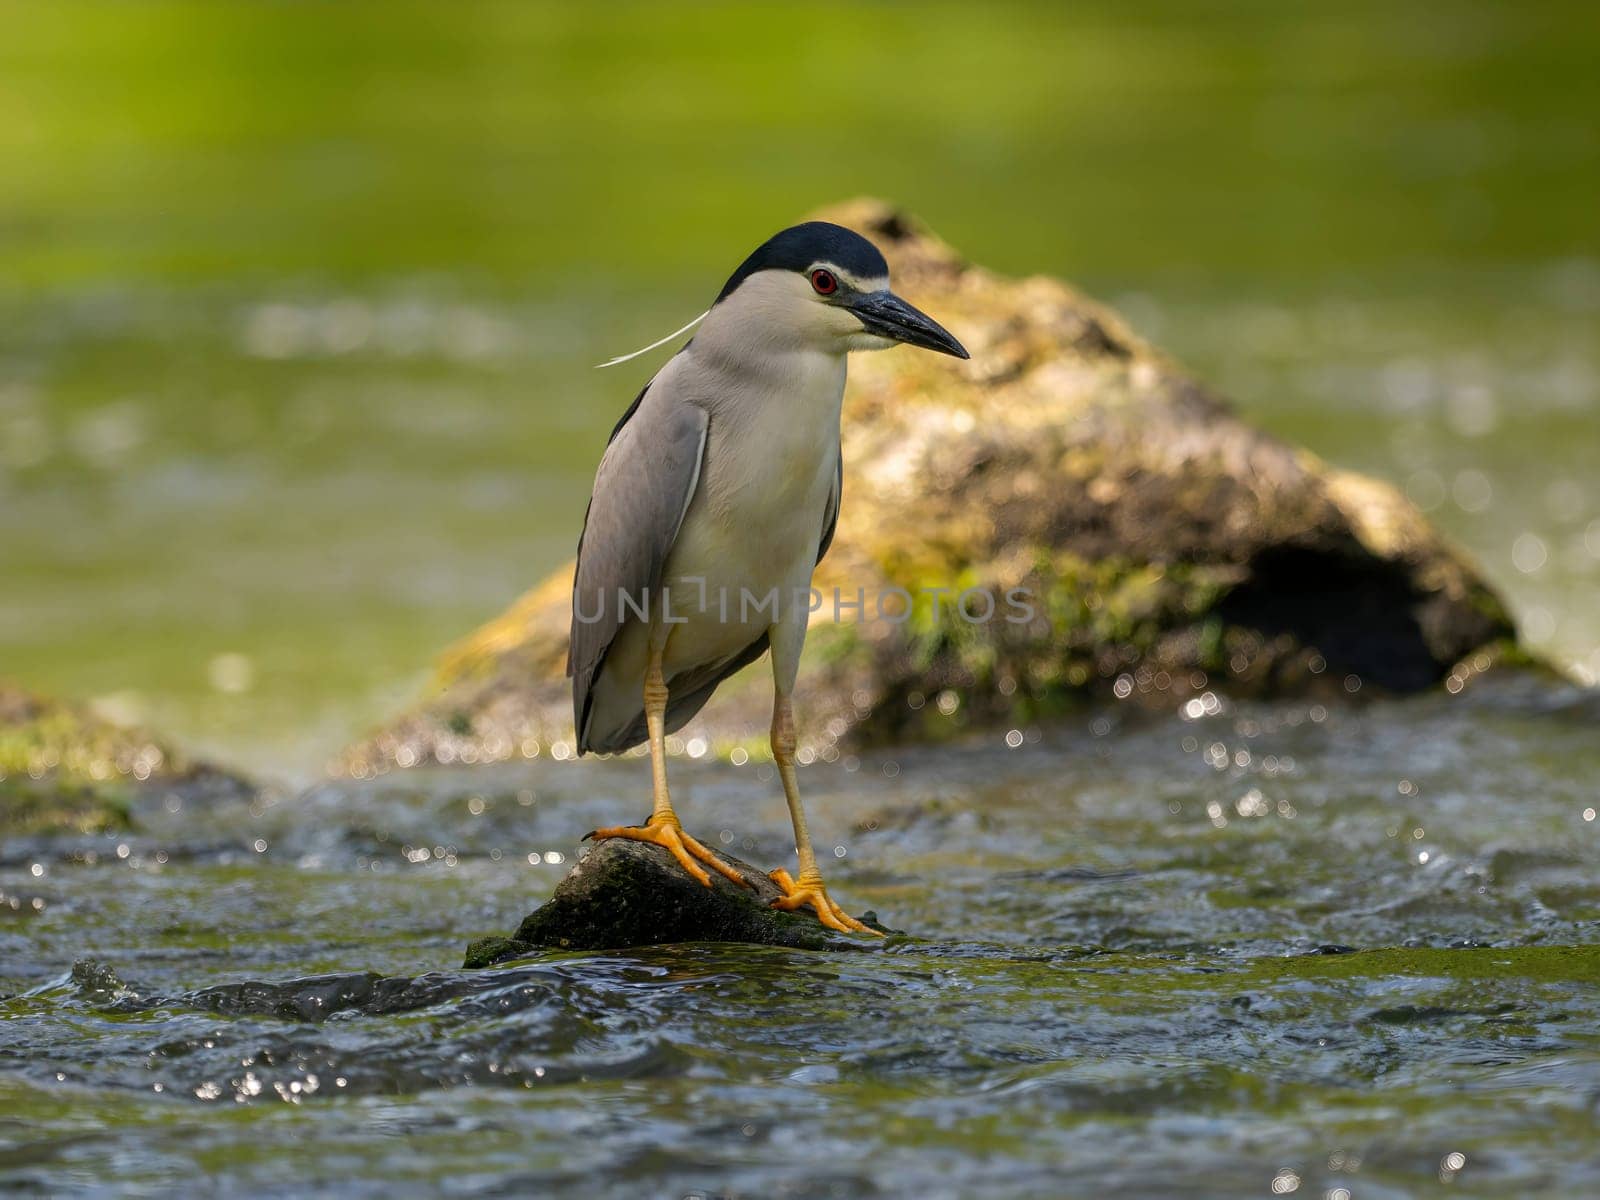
(796, 248)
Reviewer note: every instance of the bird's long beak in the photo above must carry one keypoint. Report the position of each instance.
(886, 315)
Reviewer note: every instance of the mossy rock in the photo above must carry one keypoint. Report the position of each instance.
(625, 893)
(1169, 549)
(65, 770)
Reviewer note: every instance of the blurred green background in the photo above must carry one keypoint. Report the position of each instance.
(299, 302)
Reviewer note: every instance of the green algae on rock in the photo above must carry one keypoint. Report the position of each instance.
(1167, 549)
(65, 770)
(624, 893)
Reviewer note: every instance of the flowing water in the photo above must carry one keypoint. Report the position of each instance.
(1265, 949)
(298, 306)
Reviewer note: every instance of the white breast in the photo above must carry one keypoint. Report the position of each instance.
(756, 519)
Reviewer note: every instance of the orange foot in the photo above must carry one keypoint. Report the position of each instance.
(809, 891)
(669, 834)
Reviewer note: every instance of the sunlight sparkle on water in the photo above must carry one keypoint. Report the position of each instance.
(1529, 553)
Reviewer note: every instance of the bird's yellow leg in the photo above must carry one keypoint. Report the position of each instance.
(808, 890)
(663, 828)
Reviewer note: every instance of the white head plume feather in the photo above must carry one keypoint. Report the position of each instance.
(622, 358)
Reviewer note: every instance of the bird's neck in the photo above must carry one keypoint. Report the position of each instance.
(752, 364)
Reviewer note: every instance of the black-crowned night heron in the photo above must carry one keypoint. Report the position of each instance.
(715, 500)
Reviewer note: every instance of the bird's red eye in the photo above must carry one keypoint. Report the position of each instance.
(824, 282)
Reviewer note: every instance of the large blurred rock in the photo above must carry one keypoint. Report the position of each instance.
(1171, 549)
(65, 770)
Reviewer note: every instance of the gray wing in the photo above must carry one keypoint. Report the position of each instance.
(830, 515)
(641, 491)
(689, 693)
